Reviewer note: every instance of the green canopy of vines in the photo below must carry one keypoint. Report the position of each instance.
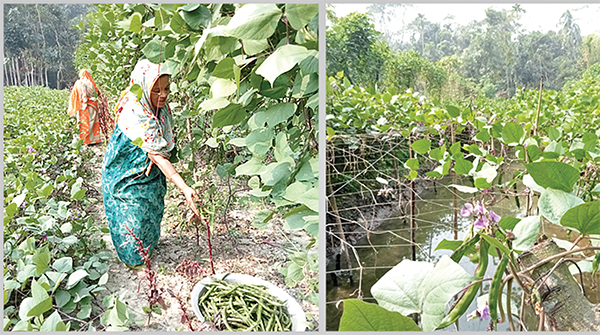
(244, 91)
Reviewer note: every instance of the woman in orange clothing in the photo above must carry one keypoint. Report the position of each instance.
(84, 104)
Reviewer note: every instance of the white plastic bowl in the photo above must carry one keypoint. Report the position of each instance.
(294, 309)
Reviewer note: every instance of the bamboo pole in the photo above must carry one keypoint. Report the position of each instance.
(338, 222)
(537, 117)
(454, 181)
(413, 227)
(399, 184)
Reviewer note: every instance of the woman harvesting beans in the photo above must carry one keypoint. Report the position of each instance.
(83, 104)
(134, 178)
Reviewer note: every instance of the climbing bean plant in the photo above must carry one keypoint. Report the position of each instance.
(554, 137)
(244, 94)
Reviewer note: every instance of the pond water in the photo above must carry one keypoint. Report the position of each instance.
(434, 217)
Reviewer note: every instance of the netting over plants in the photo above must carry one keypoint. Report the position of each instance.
(367, 187)
(472, 197)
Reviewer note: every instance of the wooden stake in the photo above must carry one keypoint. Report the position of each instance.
(454, 180)
(413, 228)
(338, 222)
(537, 117)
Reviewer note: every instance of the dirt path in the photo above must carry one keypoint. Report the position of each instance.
(241, 249)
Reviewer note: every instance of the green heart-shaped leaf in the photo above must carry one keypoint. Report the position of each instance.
(556, 175)
(363, 316)
(584, 218)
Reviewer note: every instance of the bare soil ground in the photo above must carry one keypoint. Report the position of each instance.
(236, 247)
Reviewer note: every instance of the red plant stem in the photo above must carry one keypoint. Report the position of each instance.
(212, 266)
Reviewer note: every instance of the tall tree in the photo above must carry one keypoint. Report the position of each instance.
(570, 33)
(418, 27)
(539, 54)
(490, 56)
(39, 41)
(353, 46)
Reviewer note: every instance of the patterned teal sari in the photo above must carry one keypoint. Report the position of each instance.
(131, 198)
(133, 188)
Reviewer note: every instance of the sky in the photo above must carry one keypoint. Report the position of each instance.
(541, 17)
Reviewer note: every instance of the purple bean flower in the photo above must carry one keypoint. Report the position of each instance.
(466, 211)
(485, 312)
(31, 150)
(44, 236)
(527, 190)
(494, 217)
(479, 210)
(481, 223)
(480, 313)
(484, 191)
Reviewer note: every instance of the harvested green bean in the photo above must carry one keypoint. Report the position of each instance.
(243, 307)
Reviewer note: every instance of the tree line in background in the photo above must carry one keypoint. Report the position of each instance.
(493, 56)
(39, 43)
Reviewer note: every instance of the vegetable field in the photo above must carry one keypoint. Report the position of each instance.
(538, 149)
(53, 261)
(244, 95)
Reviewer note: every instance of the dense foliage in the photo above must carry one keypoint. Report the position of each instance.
(554, 140)
(54, 263)
(244, 94)
(353, 47)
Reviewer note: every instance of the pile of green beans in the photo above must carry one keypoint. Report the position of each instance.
(243, 307)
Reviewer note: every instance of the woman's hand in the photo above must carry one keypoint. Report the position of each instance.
(169, 171)
(191, 196)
